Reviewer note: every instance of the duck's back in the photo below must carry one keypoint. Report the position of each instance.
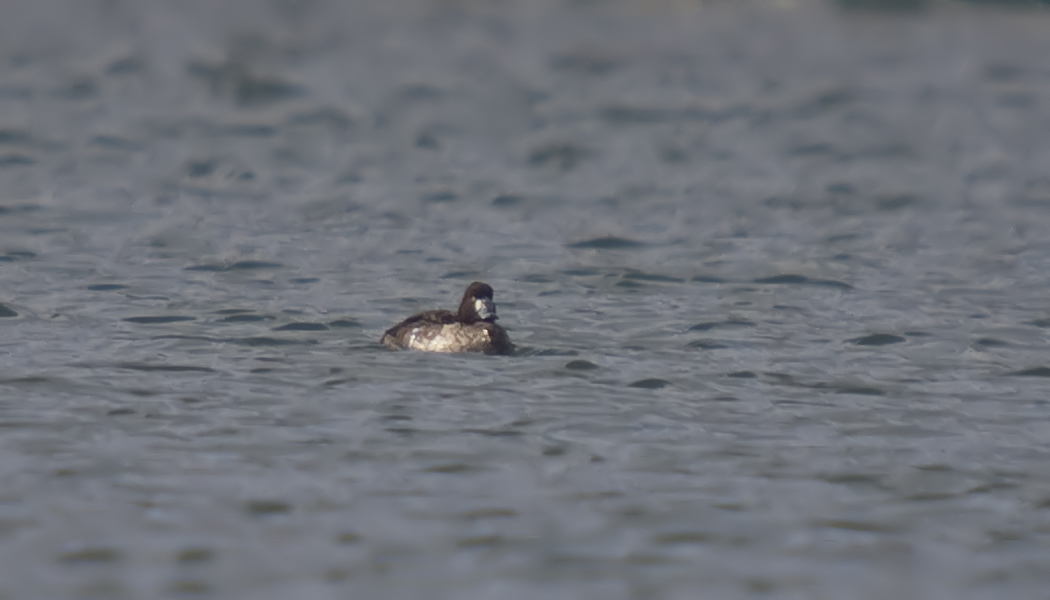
(399, 336)
(439, 331)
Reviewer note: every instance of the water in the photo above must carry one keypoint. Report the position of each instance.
(777, 273)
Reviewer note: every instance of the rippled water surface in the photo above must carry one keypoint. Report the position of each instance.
(777, 272)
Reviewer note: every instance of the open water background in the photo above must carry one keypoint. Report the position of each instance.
(778, 272)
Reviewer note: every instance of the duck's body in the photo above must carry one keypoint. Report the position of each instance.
(472, 328)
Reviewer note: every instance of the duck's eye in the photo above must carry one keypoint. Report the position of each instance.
(485, 308)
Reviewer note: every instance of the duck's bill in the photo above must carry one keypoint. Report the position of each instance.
(485, 308)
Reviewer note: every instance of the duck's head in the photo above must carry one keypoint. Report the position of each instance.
(477, 304)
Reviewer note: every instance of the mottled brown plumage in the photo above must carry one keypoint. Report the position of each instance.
(472, 328)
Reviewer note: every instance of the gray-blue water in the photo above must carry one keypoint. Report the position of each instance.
(777, 271)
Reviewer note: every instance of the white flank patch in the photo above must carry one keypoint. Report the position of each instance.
(454, 337)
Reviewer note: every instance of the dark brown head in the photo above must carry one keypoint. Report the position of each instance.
(477, 304)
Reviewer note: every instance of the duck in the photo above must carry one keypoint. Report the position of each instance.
(472, 328)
